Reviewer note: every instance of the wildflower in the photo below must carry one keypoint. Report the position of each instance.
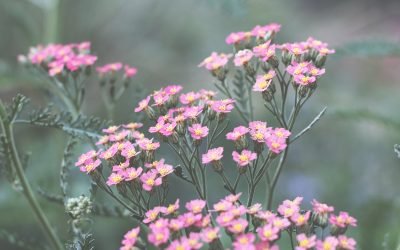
(280, 223)
(190, 219)
(263, 81)
(224, 219)
(222, 206)
(341, 222)
(195, 206)
(330, 243)
(244, 241)
(132, 173)
(281, 133)
(121, 166)
(275, 144)
(192, 112)
(237, 37)
(320, 213)
(268, 232)
(238, 226)
(198, 132)
(168, 129)
(189, 98)
(193, 241)
(179, 245)
(150, 180)
(304, 80)
(212, 155)
(90, 165)
(115, 178)
(244, 158)
(233, 197)
(159, 236)
(152, 215)
(130, 238)
(237, 133)
(173, 89)
(215, 61)
(129, 72)
(300, 219)
(210, 234)
(172, 208)
(129, 151)
(110, 152)
(346, 243)
(143, 104)
(86, 158)
(148, 145)
(305, 242)
(164, 169)
(176, 224)
(223, 106)
(242, 57)
(254, 209)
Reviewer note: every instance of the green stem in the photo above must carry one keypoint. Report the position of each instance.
(26, 187)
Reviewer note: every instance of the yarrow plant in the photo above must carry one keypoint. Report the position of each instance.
(124, 161)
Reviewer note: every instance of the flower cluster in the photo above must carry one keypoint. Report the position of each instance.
(57, 58)
(130, 156)
(115, 67)
(247, 227)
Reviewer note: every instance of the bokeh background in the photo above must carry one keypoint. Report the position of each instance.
(347, 160)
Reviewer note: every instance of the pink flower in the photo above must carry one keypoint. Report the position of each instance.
(244, 242)
(237, 133)
(223, 106)
(254, 208)
(172, 208)
(173, 89)
(280, 223)
(132, 173)
(268, 233)
(129, 151)
(265, 245)
(143, 104)
(189, 98)
(325, 51)
(298, 68)
(233, 197)
(192, 112)
(276, 145)
(159, 236)
(215, 61)
(193, 241)
(262, 83)
(115, 178)
(222, 206)
(150, 180)
(321, 208)
(330, 243)
(300, 219)
(152, 215)
(179, 244)
(281, 133)
(195, 206)
(342, 220)
(190, 219)
(168, 129)
(314, 71)
(210, 234)
(87, 157)
(346, 243)
(164, 169)
(263, 31)
(304, 80)
(110, 152)
(212, 155)
(90, 165)
(244, 158)
(242, 57)
(305, 242)
(238, 226)
(237, 37)
(264, 51)
(224, 219)
(148, 145)
(130, 238)
(129, 72)
(198, 132)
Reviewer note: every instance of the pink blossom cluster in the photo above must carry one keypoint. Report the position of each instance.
(116, 67)
(56, 58)
(302, 60)
(59, 58)
(247, 227)
(130, 156)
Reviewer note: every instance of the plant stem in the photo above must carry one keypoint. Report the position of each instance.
(26, 187)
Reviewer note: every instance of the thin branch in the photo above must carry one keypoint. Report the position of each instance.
(312, 123)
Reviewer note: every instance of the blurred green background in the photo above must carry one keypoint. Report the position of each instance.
(347, 160)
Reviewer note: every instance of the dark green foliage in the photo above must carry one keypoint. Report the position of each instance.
(85, 242)
(240, 91)
(67, 161)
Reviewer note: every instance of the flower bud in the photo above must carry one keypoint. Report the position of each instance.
(286, 57)
(217, 166)
(273, 61)
(265, 67)
(320, 219)
(150, 112)
(258, 147)
(303, 91)
(242, 170)
(335, 230)
(320, 61)
(249, 69)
